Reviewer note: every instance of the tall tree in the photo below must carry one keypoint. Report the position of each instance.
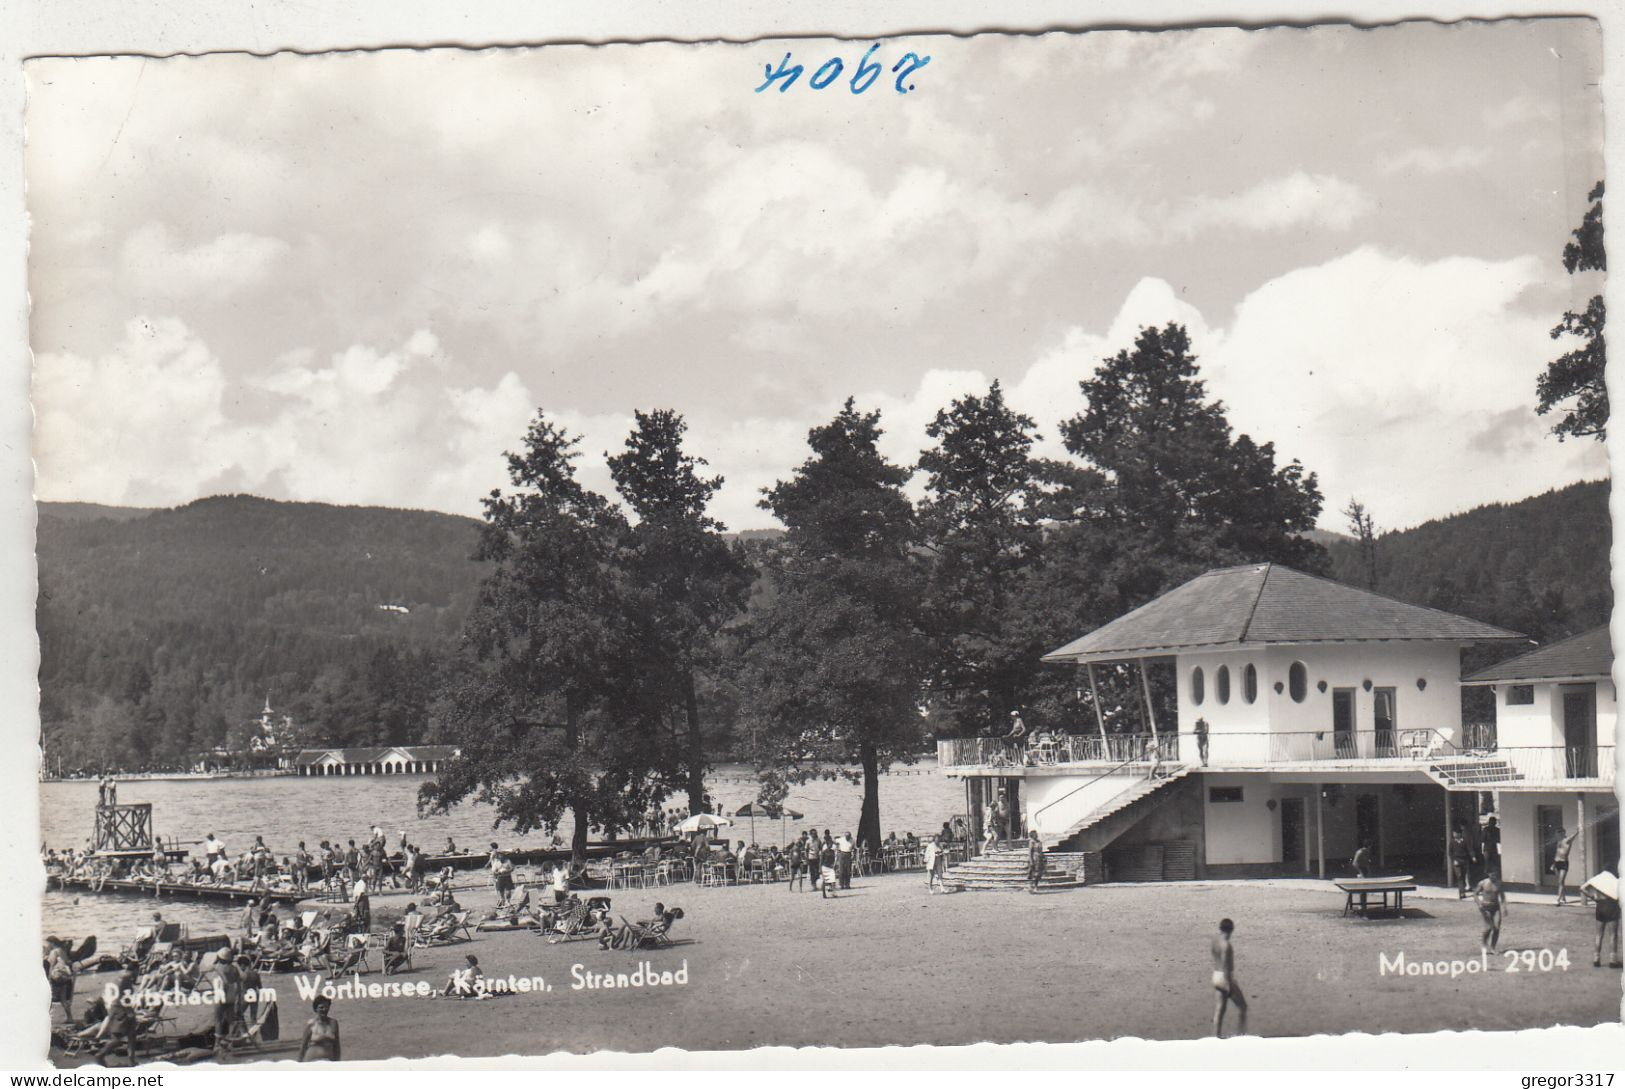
(1575, 381)
(1174, 473)
(1364, 529)
(834, 662)
(690, 581)
(981, 527)
(1161, 492)
(548, 702)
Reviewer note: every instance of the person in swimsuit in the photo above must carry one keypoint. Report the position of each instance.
(1560, 862)
(1362, 861)
(1491, 899)
(826, 870)
(321, 1034)
(1035, 860)
(1224, 980)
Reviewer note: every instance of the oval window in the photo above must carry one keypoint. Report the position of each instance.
(1249, 683)
(1197, 687)
(1297, 681)
(1221, 684)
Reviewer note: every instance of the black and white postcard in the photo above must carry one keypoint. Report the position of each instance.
(833, 542)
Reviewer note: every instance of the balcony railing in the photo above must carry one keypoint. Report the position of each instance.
(1046, 749)
(1416, 746)
(1593, 763)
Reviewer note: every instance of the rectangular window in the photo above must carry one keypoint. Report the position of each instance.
(1520, 695)
(1223, 794)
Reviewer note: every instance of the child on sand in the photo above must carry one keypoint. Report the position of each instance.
(1224, 980)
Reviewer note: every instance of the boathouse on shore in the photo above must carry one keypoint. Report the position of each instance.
(1311, 718)
(376, 760)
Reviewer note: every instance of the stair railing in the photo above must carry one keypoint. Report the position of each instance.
(1113, 770)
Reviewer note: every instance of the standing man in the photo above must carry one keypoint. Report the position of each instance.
(932, 854)
(122, 1026)
(1224, 980)
(1201, 739)
(826, 868)
(1362, 860)
(502, 877)
(1461, 857)
(797, 854)
(301, 868)
(843, 852)
(1492, 844)
(228, 1004)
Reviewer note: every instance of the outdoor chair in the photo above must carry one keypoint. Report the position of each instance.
(351, 958)
(250, 1035)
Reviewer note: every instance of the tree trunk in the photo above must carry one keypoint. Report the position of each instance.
(578, 804)
(578, 838)
(696, 746)
(869, 817)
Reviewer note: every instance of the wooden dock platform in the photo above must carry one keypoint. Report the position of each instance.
(174, 890)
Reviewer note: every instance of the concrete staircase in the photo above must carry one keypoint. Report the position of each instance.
(1006, 869)
(1119, 814)
(1472, 774)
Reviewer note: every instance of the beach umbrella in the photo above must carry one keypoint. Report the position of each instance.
(703, 822)
(757, 809)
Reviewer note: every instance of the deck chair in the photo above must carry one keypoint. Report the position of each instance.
(634, 936)
(265, 1026)
(351, 958)
(581, 922)
(445, 930)
(410, 930)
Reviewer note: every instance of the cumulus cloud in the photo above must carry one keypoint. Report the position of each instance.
(1434, 160)
(1406, 383)
(1295, 200)
(142, 424)
(153, 258)
(151, 423)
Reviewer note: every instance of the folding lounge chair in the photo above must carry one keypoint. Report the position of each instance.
(351, 958)
(252, 1035)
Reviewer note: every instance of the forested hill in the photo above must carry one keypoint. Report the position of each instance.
(163, 632)
(1538, 566)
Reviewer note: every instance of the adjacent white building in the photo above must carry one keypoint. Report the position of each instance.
(1555, 714)
(1311, 717)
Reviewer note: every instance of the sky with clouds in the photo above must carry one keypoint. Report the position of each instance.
(354, 277)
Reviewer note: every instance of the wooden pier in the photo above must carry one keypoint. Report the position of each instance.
(176, 890)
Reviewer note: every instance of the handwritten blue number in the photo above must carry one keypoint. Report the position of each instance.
(919, 62)
(868, 68)
(833, 66)
(786, 73)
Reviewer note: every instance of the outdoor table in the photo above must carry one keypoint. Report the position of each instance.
(1383, 887)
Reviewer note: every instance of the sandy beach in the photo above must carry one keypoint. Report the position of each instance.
(886, 963)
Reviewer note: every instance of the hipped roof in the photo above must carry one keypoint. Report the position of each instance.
(1266, 604)
(1587, 656)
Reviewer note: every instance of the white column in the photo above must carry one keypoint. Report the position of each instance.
(1320, 829)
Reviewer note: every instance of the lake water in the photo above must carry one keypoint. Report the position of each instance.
(287, 809)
